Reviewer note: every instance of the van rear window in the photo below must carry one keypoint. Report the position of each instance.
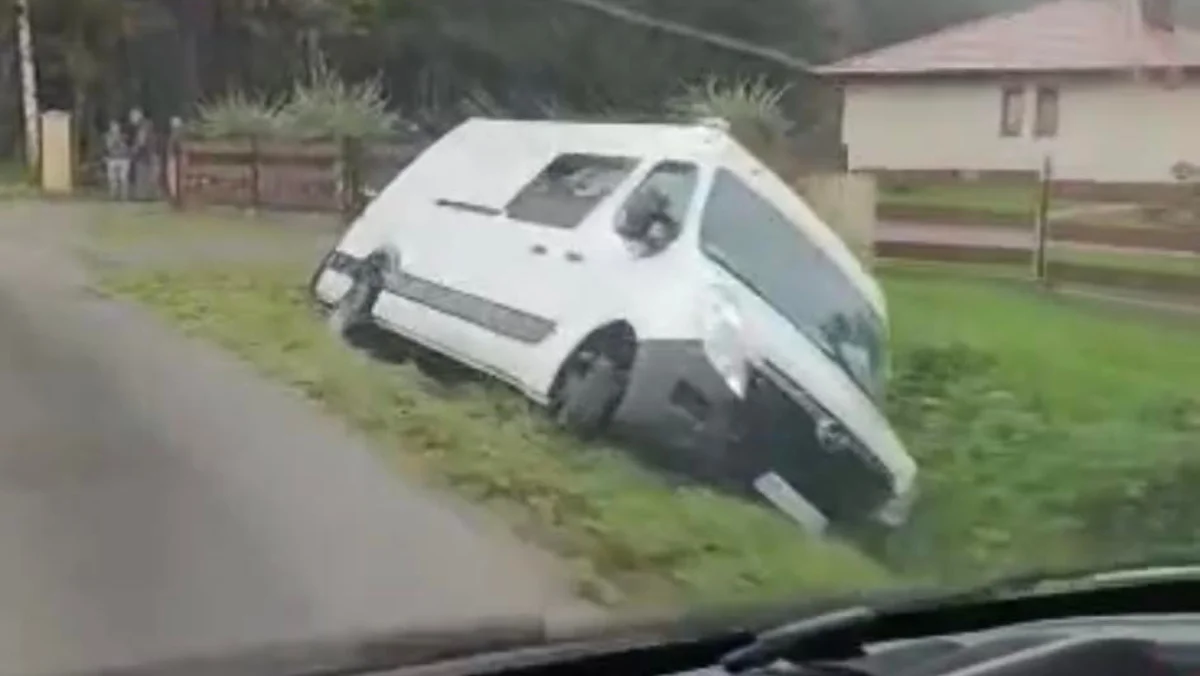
(569, 188)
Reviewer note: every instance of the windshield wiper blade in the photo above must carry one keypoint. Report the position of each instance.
(854, 620)
(773, 644)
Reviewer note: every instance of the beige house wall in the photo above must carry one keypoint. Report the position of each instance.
(1114, 129)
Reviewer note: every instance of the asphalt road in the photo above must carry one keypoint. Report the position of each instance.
(158, 500)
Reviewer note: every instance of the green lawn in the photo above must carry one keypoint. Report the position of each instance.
(1049, 432)
(120, 225)
(1184, 264)
(1003, 200)
(1085, 362)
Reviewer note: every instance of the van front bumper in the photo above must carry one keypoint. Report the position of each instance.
(332, 277)
(678, 403)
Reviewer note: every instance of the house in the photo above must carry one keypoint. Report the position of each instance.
(1109, 89)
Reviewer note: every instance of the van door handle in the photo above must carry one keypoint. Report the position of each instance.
(574, 256)
(538, 250)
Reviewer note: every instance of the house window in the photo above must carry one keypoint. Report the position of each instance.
(1012, 111)
(1045, 122)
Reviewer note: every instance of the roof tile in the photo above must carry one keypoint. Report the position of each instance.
(1062, 35)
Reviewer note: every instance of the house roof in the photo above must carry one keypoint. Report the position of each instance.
(1058, 36)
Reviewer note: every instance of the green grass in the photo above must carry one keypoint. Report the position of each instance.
(1085, 362)
(1002, 200)
(14, 180)
(120, 225)
(627, 537)
(1050, 432)
(1183, 264)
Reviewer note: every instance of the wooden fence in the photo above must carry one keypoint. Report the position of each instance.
(327, 176)
(340, 177)
(1054, 271)
(1131, 257)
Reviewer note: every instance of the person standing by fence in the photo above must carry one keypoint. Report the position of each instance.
(146, 172)
(116, 161)
(173, 150)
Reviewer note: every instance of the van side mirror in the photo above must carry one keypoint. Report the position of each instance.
(644, 209)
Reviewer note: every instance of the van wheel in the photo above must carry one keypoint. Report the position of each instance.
(352, 313)
(589, 394)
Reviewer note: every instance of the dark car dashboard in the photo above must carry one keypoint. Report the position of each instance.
(1145, 629)
(1090, 646)
(1137, 645)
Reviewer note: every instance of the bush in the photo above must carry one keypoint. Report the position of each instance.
(326, 107)
(751, 108)
(238, 114)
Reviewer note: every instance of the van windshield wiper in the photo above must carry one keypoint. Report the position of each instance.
(469, 206)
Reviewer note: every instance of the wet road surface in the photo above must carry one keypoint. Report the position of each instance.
(157, 499)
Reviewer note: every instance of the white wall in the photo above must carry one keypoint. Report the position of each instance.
(1114, 130)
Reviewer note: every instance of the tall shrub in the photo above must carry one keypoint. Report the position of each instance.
(751, 107)
(237, 114)
(327, 106)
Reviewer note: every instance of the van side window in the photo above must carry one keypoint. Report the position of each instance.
(567, 190)
(653, 215)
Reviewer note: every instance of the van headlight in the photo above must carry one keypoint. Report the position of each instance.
(723, 346)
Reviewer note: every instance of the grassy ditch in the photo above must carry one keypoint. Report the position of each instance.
(628, 537)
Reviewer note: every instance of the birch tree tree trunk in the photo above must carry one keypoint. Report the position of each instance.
(29, 96)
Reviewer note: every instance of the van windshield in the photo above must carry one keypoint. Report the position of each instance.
(752, 240)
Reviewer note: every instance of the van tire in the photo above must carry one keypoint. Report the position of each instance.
(587, 400)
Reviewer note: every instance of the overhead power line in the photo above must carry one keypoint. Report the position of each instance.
(683, 30)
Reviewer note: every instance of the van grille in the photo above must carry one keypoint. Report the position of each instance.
(779, 434)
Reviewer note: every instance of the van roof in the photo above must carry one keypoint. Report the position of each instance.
(700, 141)
(637, 139)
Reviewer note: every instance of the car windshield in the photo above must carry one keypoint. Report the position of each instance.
(327, 319)
(757, 244)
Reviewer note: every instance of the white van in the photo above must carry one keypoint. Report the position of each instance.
(655, 278)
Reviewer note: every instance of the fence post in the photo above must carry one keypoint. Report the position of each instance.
(255, 195)
(175, 171)
(351, 180)
(1041, 222)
